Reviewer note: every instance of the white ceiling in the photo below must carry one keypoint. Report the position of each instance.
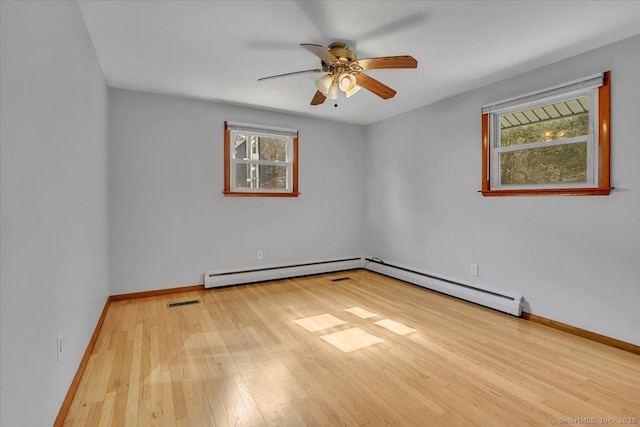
(216, 50)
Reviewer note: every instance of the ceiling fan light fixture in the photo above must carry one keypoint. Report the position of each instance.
(332, 93)
(352, 91)
(324, 84)
(343, 72)
(346, 82)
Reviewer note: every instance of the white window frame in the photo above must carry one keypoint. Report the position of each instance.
(597, 87)
(289, 135)
(591, 139)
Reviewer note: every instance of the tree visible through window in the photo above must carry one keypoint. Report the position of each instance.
(260, 161)
(554, 142)
(544, 165)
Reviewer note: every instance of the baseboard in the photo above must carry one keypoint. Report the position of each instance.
(622, 345)
(66, 403)
(215, 279)
(158, 292)
(492, 298)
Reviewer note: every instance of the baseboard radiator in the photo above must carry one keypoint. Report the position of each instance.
(498, 300)
(215, 279)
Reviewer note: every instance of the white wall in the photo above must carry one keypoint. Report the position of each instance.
(168, 219)
(574, 259)
(54, 245)
(414, 178)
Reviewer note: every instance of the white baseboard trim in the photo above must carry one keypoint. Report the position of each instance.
(498, 300)
(215, 279)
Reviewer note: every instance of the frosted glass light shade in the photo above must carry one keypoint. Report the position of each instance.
(333, 92)
(352, 91)
(346, 82)
(324, 84)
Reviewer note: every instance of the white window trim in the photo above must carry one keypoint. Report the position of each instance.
(543, 96)
(230, 163)
(288, 163)
(261, 129)
(575, 89)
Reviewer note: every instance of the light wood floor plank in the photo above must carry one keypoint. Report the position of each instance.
(239, 358)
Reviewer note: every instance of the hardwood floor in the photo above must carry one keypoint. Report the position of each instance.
(240, 358)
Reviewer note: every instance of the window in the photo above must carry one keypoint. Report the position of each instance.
(260, 161)
(551, 142)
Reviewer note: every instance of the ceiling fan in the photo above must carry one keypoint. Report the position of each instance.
(345, 72)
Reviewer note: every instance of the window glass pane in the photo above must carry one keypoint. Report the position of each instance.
(273, 177)
(272, 149)
(243, 175)
(564, 119)
(560, 163)
(260, 161)
(258, 176)
(240, 146)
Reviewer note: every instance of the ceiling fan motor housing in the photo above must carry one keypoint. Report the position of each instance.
(342, 52)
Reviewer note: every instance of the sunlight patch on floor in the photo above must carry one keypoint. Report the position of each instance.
(395, 327)
(319, 322)
(361, 312)
(351, 339)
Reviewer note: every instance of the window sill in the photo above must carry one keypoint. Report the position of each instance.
(600, 191)
(258, 194)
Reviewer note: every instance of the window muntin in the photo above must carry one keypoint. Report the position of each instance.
(550, 145)
(551, 142)
(260, 161)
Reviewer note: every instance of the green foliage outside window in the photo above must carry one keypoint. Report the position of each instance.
(559, 163)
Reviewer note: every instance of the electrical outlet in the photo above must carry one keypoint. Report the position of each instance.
(259, 254)
(60, 343)
(474, 269)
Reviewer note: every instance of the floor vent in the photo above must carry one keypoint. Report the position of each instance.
(181, 303)
(340, 279)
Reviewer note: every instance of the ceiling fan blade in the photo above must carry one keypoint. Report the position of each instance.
(405, 61)
(321, 51)
(371, 84)
(317, 70)
(318, 98)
